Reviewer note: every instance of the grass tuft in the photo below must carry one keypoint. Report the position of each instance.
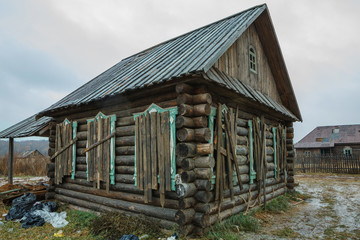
(278, 205)
(230, 228)
(112, 225)
(286, 232)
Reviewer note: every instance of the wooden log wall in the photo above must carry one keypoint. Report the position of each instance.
(193, 205)
(124, 196)
(209, 212)
(193, 150)
(50, 167)
(290, 183)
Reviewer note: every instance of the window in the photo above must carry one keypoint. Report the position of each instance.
(307, 153)
(335, 130)
(100, 150)
(155, 142)
(347, 151)
(252, 59)
(319, 139)
(252, 175)
(65, 150)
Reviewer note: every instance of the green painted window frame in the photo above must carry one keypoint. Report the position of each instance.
(252, 174)
(211, 126)
(74, 132)
(172, 112)
(112, 145)
(274, 132)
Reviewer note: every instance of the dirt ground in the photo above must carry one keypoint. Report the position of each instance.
(332, 212)
(24, 180)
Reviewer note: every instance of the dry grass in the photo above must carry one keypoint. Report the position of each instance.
(25, 167)
(114, 225)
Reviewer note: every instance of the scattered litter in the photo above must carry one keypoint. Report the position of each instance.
(32, 213)
(145, 236)
(57, 220)
(129, 237)
(173, 237)
(20, 206)
(32, 220)
(59, 234)
(10, 230)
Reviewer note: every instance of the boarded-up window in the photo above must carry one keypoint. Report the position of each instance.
(155, 143)
(251, 152)
(100, 150)
(279, 145)
(65, 150)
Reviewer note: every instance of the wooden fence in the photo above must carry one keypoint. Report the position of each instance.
(328, 164)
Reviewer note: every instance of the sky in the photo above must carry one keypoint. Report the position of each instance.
(50, 48)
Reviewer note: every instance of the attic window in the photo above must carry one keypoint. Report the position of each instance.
(335, 130)
(252, 59)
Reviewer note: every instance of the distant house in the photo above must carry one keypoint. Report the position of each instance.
(31, 154)
(335, 140)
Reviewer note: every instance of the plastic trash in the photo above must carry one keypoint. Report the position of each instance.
(173, 237)
(46, 206)
(57, 220)
(129, 237)
(59, 234)
(32, 213)
(32, 220)
(20, 206)
(145, 236)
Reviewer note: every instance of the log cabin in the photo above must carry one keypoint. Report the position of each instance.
(187, 132)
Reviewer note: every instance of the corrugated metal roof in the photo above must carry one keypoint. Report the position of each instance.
(328, 136)
(193, 52)
(245, 90)
(25, 128)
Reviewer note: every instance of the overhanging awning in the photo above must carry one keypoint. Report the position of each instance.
(27, 128)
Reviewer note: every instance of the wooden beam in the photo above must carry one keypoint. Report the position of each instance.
(11, 160)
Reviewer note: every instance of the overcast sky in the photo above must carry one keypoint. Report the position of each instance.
(50, 48)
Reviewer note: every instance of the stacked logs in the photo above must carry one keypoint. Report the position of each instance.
(242, 149)
(194, 154)
(124, 196)
(270, 154)
(290, 157)
(50, 167)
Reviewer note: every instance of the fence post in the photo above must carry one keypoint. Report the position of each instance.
(11, 160)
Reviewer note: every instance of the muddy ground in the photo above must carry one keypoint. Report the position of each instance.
(24, 180)
(333, 211)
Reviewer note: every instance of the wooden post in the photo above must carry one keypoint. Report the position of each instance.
(11, 160)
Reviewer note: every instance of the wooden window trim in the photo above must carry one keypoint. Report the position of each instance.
(72, 144)
(274, 132)
(252, 174)
(112, 146)
(172, 112)
(252, 60)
